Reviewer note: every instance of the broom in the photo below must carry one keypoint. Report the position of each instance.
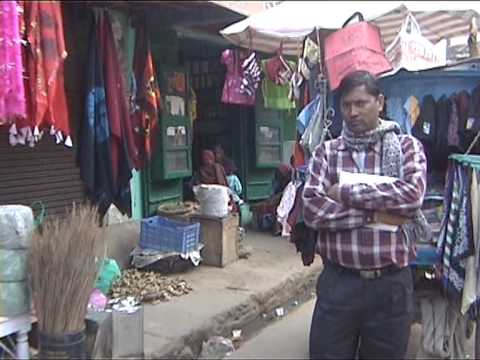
(63, 267)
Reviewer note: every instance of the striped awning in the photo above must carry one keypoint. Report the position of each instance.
(288, 23)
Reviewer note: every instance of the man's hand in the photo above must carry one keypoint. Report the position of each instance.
(334, 192)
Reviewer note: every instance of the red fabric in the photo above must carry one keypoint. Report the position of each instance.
(147, 98)
(299, 155)
(44, 30)
(121, 128)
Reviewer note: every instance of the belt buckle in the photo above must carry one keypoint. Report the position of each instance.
(370, 274)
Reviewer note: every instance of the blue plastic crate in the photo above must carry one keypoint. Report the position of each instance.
(162, 234)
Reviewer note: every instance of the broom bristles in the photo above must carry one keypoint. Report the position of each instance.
(63, 267)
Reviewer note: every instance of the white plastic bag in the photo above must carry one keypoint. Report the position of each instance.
(213, 199)
(412, 51)
(16, 226)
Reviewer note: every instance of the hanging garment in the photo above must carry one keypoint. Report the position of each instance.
(124, 35)
(453, 123)
(251, 75)
(412, 108)
(463, 104)
(303, 119)
(12, 91)
(470, 289)
(425, 129)
(396, 112)
(285, 206)
(125, 155)
(443, 329)
(455, 242)
(95, 137)
(48, 110)
(441, 143)
(147, 100)
(232, 93)
(276, 96)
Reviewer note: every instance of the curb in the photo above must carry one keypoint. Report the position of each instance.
(241, 315)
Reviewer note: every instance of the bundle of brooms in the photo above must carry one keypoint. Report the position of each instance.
(63, 266)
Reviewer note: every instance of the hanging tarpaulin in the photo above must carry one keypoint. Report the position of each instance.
(12, 92)
(410, 50)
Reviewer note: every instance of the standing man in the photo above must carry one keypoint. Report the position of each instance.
(365, 292)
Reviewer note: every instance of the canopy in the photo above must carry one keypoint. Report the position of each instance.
(288, 23)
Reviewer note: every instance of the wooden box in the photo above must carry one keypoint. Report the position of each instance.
(220, 238)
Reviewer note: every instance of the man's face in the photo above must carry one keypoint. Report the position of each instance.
(360, 109)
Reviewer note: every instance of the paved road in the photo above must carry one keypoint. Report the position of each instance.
(287, 338)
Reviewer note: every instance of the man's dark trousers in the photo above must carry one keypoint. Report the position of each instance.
(351, 311)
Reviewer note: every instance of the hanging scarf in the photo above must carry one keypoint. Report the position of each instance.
(12, 91)
(47, 104)
(392, 161)
(147, 99)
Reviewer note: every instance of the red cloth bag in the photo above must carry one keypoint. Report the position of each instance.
(354, 47)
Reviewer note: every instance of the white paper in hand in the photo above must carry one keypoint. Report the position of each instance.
(348, 178)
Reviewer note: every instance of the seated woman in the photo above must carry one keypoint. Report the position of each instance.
(210, 171)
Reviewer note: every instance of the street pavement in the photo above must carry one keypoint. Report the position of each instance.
(287, 338)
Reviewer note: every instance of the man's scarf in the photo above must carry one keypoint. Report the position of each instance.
(392, 160)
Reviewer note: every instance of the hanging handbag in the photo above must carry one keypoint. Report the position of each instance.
(412, 51)
(354, 47)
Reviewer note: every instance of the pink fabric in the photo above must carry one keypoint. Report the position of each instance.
(233, 80)
(12, 90)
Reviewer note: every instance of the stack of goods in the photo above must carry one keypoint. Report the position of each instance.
(16, 226)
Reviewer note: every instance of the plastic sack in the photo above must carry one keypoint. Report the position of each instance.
(14, 299)
(109, 272)
(213, 199)
(412, 51)
(13, 265)
(98, 301)
(16, 226)
(216, 347)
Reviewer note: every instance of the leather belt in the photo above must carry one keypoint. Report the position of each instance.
(370, 274)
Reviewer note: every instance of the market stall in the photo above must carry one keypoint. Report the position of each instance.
(437, 106)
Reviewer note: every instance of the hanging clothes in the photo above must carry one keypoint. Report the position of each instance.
(147, 100)
(124, 151)
(95, 137)
(453, 123)
(45, 63)
(276, 96)
(456, 242)
(232, 93)
(12, 91)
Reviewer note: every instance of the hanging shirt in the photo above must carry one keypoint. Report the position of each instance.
(412, 109)
(397, 113)
(232, 93)
(453, 123)
(276, 96)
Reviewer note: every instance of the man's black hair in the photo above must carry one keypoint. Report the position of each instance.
(359, 78)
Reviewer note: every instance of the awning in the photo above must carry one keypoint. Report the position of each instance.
(289, 22)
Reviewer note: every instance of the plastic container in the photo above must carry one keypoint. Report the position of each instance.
(162, 234)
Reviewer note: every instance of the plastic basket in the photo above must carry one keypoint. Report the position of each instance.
(162, 234)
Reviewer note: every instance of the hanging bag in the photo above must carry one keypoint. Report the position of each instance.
(412, 51)
(354, 47)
